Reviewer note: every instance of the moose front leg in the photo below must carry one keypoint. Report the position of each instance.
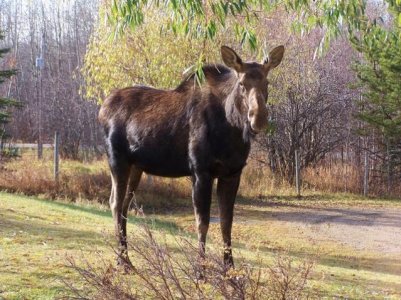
(201, 198)
(227, 191)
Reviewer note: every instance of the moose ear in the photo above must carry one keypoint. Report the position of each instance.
(231, 59)
(275, 57)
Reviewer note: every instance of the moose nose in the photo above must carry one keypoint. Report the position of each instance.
(257, 119)
(257, 111)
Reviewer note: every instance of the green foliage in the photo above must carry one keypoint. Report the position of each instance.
(5, 103)
(194, 19)
(144, 56)
(208, 21)
(150, 35)
(204, 19)
(177, 33)
(379, 75)
(150, 56)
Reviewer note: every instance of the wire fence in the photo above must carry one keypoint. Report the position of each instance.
(338, 172)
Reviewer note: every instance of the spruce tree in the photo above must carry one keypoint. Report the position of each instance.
(379, 77)
(5, 103)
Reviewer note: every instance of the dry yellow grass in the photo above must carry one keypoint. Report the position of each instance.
(91, 181)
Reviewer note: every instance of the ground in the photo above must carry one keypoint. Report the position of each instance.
(362, 229)
(354, 241)
(369, 229)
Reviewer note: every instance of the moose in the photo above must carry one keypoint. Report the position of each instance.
(199, 130)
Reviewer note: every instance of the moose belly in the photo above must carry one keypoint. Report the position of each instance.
(161, 158)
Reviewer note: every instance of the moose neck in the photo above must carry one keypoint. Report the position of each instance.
(234, 107)
(223, 83)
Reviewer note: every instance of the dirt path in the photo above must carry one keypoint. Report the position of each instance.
(363, 229)
(370, 229)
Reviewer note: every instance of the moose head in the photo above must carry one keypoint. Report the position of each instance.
(251, 89)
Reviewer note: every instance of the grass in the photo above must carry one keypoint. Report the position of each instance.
(37, 235)
(90, 180)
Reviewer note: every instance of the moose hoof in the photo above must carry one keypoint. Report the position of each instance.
(228, 265)
(125, 265)
(228, 259)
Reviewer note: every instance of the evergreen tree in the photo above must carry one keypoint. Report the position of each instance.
(5, 103)
(379, 77)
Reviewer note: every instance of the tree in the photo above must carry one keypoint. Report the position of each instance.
(204, 19)
(379, 78)
(379, 74)
(302, 86)
(308, 111)
(142, 57)
(5, 103)
(66, 27)
(147, 56)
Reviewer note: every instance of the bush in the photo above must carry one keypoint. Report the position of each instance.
(162, 272)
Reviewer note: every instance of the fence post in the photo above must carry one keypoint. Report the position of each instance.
(366, 175)
(56, 156)
(297, 174)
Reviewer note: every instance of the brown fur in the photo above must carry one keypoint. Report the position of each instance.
(198, 131)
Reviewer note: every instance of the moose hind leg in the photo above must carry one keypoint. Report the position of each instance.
(119, 176)
(201, 198)
(133, 182)
(226, 192)
(134, 179)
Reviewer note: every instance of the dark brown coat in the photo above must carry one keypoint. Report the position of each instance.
(198, 131)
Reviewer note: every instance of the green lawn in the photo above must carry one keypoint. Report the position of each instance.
(36, 236)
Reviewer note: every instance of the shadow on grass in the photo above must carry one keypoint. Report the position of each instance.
(316, 216)
(382, 265)
(153, 222)
(346, 285)
(48, 233)
(329, 199)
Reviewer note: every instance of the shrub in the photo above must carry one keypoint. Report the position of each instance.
(162, 272)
